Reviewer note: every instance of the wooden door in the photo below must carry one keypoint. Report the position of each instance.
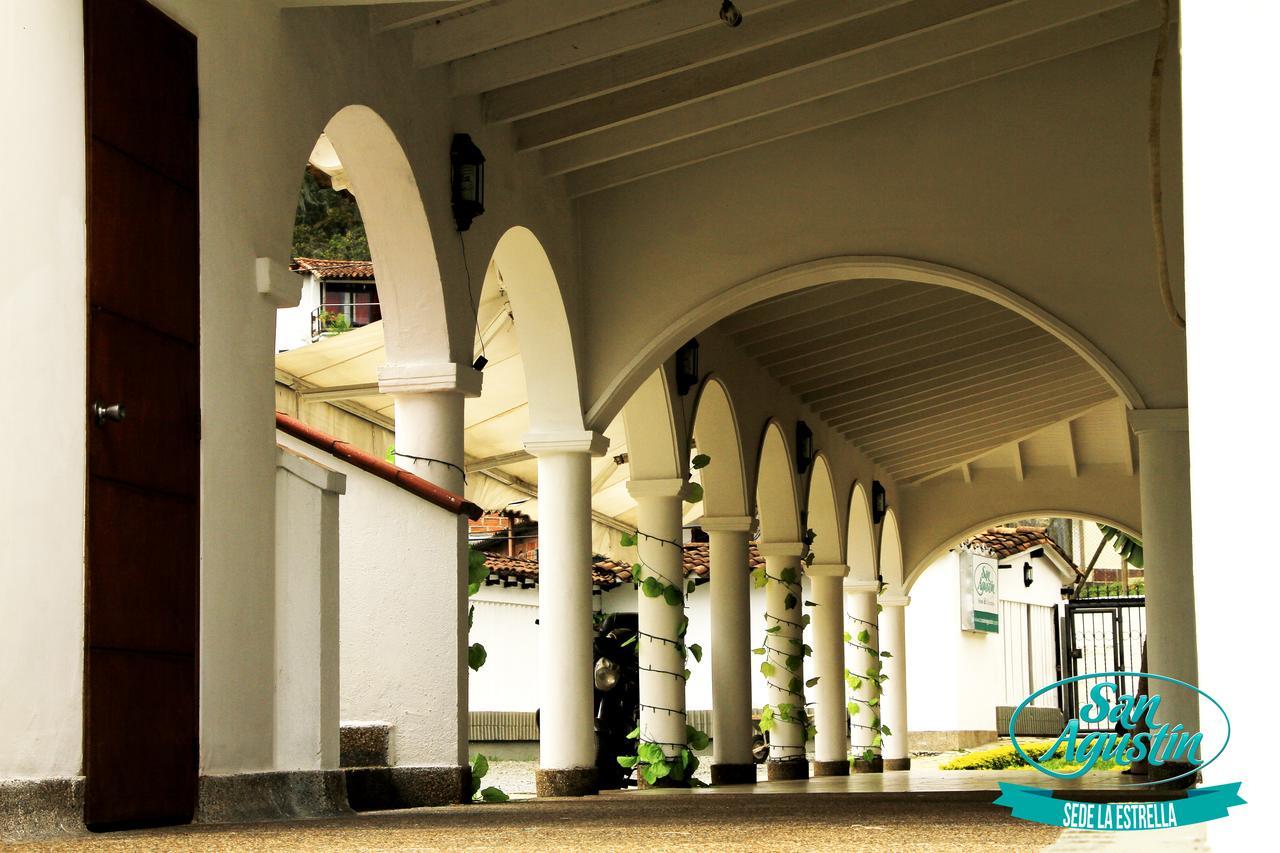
(142, 605)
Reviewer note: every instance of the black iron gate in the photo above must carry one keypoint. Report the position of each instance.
(1101, 635)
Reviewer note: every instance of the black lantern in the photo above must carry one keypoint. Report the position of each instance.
(467, 180)
(879, 502)
(1026, 574)
(687, 367)
(804, 447)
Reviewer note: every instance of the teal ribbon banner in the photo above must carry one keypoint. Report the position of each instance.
(1039, 805)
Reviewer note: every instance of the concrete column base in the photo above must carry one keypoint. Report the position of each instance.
(831, 768)
(1158, 772)
(274, 795)
(875, 765)
(780, 771)
(733, 774)
(897, 764)
(379, 788)
(574, 782)
(31, 809)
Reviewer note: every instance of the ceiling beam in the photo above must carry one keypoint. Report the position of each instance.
(489, 462)
(1019, 473)
(921, 48)
(319, 394)
(768, 25)
(1073, 459)
(701, 81)
(593, 40)
(441, 39)
(386, 17)
(885, 94)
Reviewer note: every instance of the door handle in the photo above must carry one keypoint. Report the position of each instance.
(102, 414)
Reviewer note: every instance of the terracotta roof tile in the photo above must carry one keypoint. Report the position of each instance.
(1001, 542)
(607, 573)
(333, 268)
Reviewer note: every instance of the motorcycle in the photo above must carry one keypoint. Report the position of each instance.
(616, 677)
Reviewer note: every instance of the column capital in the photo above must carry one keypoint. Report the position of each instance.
(895, 600)
(1157, 420)
(781, 549)
(668, 487)
(827, 570)
(419, 377)
(569, 441)
(731, 523)
(854, 585)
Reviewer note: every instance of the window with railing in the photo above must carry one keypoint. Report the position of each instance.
(344, 306)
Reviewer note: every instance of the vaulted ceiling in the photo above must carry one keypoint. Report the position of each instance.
(610, 91)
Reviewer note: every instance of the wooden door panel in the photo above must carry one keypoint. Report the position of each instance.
(143, 244)
(141, 86)
(152, 376)
(150, 575)
(142, 711)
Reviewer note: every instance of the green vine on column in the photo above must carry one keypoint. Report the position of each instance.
(477, 572)
(651, 762)
(873, 676)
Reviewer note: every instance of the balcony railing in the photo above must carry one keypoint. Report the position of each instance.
(334, 318)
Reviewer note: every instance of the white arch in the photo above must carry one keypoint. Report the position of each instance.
(823, 516)
(654, 449)
(715, 429)
(968, 530)
(415, 322)
(776, 494)
(521, 267)
(847, 268)
(891, 569)
(861, 547)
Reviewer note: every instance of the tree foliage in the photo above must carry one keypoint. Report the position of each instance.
(327, 223)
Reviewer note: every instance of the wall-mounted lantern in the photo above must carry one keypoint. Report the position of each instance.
(804, 447)
(879, 502)
(687, 367)
(1027, 577)
(467, 180)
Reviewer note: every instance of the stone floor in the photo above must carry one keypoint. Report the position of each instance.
(919, 810)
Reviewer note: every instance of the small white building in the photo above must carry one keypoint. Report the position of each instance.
(337, 295)
(981, 635)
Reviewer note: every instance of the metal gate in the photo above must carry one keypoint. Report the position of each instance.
(1102, 635)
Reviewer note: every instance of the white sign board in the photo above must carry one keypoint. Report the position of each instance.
(979, 593)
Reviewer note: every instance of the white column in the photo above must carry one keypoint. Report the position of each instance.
(567, 751)
(429, 401)
(787, 757)
(662, 664)
(831, 743)
(731, 730)
(893, 699)
(1163, 461)
(862, 655)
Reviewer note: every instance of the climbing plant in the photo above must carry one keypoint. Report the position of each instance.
(783, 663)
(865, 713)
(491, 794)
(477, 571)
(651, 761)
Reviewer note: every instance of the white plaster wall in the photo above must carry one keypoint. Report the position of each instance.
(42, 365)
(402, 641)
(293, 325)
(506, 624)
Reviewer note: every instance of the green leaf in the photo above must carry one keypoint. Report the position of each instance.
(810, 732)
(767, 669)
(766, 719)
(650, 773)
(697, 739)
(677, 768)
(702, 460)
(630, 641)
(784, 711)
(811, 682)
(848, 637)
(804, 620)
(693, 493)
(627, 540)
(494, 795)
(652, 587)
(471, 617)
(672, 595)
(479, 768)
(787, 575)
(789, 603)
(885, 655)
(476, 656)
(885, 729)
(689, 587)
(775, 629)
(651, 753)
(806, 650)
(627, 760)
(808, 603)
(868, 756)
(687, 673)
(864, 636)
(853, 708)
(793, 662)
(696, 651)
(657, 771)
(794, 686)
(877, 740)
(759, 578)
(758, 651)
(634, 733)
